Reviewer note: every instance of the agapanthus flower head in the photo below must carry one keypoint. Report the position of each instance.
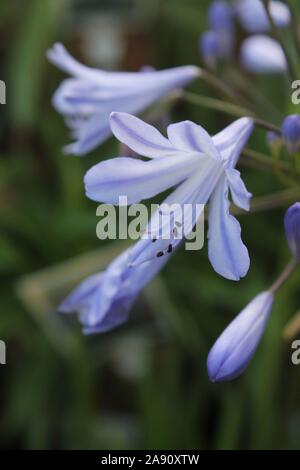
(87, 99)
(262, 54)
(202, 168)
(103, 300)
(234, 349)
(254, 19)
(209, 48)
(290, 130)
(292, 229)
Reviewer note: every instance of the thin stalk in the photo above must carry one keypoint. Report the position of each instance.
(291, 266)
(220, 85)
(216, 104)
(277, 35)
(271, 201)
(264, 159)
(295, 26)
(228, 108)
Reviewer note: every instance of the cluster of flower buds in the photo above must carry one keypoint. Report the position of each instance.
(259, 53)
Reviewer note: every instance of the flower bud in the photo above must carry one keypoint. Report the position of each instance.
(220, 15)
(209, 48)
(290, 129)
(292, 229)
(233, 350)
(253, 16)
(262, 54)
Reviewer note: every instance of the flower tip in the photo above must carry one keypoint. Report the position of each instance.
(292, 229)
(235, 347)
(290, 129)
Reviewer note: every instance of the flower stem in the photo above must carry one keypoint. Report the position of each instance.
(291, 266)
(277, 36)
(295, 26)
(220, 85)
(216, 104)
(228, 108)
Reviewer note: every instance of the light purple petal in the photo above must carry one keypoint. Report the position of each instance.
(136, 179)
(227, 253)
(234, 349)
(79, 296)
(191, 137)
(140, 137)
(231, 140)
(179, 212)
(240, 195)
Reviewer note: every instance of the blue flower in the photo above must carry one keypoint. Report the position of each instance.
(253, 16)
(290, 130)
(221, 21)
(202, 168)
(209, 48)
(87, 99)
(220, 15)
(234, 349)
(103, 300)
(292, 229)
(262, 54)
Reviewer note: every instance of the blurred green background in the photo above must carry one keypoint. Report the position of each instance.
(144, 385)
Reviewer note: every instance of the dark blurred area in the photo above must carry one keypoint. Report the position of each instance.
(144, 385)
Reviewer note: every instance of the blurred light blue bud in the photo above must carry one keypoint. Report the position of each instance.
(234, 349)
(253, 16)
(292, 229)
(290, 129)
(220, 15)
(209, 48)
(262, 54)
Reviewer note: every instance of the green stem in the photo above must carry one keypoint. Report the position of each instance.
(228, 108)
(220, 85)
(277, 35)
(216, 104)
(271, 201)
(291, 266)
(295, 27)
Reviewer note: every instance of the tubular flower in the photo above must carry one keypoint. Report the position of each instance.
(103, 300)
(202, 169)
(87, 99)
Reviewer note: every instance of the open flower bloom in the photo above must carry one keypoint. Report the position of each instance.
(202, 168)
(234, 349)
(253, 17)
(87, 99)
(103, 300)
(262, 54)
